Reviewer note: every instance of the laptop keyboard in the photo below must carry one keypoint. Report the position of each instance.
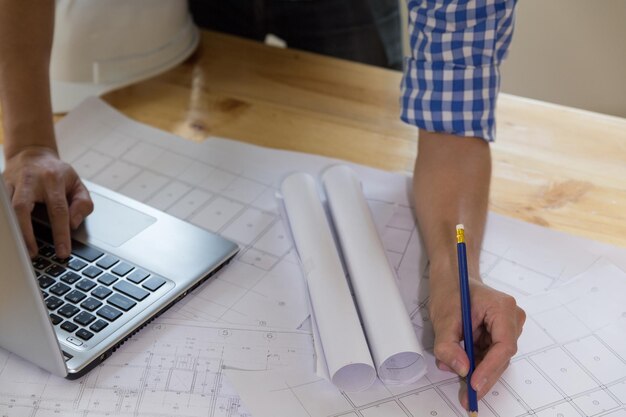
(89, 290)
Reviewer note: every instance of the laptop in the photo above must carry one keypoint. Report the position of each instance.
(129, 264)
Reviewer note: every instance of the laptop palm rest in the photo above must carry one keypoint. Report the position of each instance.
(114, 223)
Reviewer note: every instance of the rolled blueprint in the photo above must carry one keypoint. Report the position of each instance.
(344, 345)
(392, 340)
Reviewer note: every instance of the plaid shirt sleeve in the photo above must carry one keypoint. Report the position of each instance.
(452, 79)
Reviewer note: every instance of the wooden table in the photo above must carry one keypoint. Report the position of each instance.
(554, 166)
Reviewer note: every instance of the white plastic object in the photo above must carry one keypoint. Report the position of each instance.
(100, 45)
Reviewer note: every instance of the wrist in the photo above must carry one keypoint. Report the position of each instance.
(443, 268)
(35, 136)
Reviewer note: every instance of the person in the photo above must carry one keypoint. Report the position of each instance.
(449, 92)
(366, 31)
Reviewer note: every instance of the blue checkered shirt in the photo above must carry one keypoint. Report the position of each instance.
(452, 79)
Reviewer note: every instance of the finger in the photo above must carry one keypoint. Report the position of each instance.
(81, 204)
(492, 366)
(504, 327)
(463, 395)
(486, 388)
(23, 204)
(448, 349)
(58, 212)
(481, 347)
(10, 190)
(443, 367)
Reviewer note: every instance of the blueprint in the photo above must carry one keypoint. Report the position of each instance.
(177, 365)
(169, 368)
(571, 363)
(191, 181)
(353, 339)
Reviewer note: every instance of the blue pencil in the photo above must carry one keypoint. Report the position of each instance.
(466, 312)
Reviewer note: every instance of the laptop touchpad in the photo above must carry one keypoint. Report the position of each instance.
(114, 223)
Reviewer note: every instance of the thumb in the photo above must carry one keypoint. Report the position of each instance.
(448, 350)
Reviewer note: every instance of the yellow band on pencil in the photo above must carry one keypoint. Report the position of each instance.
(460, 233)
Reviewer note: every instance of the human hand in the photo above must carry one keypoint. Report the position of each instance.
(37, 175)
(497, 324)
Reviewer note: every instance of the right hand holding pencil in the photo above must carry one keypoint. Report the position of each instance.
(497, 324)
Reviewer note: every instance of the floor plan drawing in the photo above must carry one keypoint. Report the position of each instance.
(169, 368)
(216, 350)
(578, 370)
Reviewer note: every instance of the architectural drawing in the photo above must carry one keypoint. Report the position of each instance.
(578, 369)
(169, 368)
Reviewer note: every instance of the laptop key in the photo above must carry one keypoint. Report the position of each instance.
(76, 264)
(107, 261)
(53, 302)
(84, 318)
(55, 270)
(131, 290)
(84, 334)
(62, 261)
(91, 304)
(87, 253)
(92, 271)
(68, 310)
(45, 281)
(59, 288)
(85, 284)
(70, 277)
(44, 294)
(68, 326)
(101, 292)
(109, 313)
(137, 276)
(154, 283)
(55, 319)
(122, 269)
(40, 263)
(107, 279)
(98, 325)
(121, 302)
(46, 251)
(75, 296)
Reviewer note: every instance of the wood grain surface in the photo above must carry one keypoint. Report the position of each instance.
(555, 166)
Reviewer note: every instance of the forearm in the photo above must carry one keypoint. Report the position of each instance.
(26, 28)
(451, 186)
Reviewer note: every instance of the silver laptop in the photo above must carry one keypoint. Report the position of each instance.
(129, 263)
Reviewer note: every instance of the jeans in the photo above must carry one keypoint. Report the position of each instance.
(366, 31)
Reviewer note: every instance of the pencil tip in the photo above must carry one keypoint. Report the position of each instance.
(473, 413)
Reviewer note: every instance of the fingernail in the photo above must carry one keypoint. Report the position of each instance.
(479, 385)
(459, 369)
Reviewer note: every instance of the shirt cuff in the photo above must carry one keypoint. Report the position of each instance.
(449, 98)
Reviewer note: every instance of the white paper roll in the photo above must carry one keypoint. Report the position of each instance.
(392, 340)
(344, 345)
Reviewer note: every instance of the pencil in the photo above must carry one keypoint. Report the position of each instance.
(466, 313)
